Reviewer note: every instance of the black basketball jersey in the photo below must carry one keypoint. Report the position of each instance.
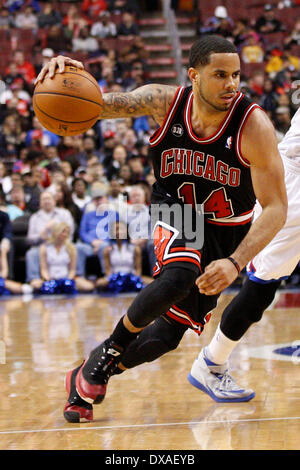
(211, 171)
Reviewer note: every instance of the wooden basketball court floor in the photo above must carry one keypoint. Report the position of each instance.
(151, 407)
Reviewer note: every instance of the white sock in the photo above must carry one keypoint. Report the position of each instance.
(220, 347)
(27, 289)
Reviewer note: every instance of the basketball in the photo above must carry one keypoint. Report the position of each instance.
(69, 103)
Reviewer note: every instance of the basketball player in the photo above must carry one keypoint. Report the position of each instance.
(215, 148)
(265, 272)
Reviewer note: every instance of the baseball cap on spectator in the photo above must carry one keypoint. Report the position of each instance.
(99, 191)
(104, 13)
(37, 134)
(47, 52)
(268, 7)
(79, 171)
(221, 12)
(109, 134)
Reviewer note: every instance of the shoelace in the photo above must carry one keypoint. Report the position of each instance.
(105, 365)
(227, 382)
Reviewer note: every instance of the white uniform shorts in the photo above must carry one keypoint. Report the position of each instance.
(280, 257)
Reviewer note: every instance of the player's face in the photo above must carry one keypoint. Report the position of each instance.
(217, 83)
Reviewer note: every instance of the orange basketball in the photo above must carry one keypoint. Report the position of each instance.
(69, 103)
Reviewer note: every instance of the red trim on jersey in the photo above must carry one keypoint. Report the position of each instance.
(161, 131)
(182, 258)
(186, 249)
(223, 126)
(186, 321)
(245, 117)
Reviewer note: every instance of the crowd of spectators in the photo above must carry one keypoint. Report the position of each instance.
(63, 195)
(269, 52)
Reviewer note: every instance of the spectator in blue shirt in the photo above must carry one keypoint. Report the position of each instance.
(94, 229)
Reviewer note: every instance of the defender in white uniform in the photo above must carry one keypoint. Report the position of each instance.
(274, 263)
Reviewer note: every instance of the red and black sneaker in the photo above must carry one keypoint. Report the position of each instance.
(92, 378)
(76, 410)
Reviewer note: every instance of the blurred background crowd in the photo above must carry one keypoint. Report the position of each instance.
(51, 187)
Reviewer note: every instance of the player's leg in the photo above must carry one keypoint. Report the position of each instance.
(209, 372)
(173, 285)
(158, 338)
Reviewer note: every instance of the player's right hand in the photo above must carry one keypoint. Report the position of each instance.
(57, 62)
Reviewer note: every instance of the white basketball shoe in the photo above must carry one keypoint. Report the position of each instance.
(216, 381)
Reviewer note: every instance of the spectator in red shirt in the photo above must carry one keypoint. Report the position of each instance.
(93, 7)
(24, 68)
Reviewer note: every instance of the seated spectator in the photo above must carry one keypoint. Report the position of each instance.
(121, 6)
(6, 19)
(294, 36)
(74, 21)
(94, 229)
(15, 102)
(95, 173)
(117, 199)
(56, 40)
(52, 159)
(79, 193)
(104, 28)
(122, 263)
(267, 23)
(125, 178)
(40, 230)
(213, 22)
(6, 260)
(49, 16)
(58, 263)
(119, 158)
(240, 32)
(11, 74)
(88, 150)
(16, 88)
(41, 61)
(57, 176)
(84, 42)
(252, 52)
(32, 191)
(67, 170)
(24, 68)
(41, 223)
(11, 137)
(282, 121)
(92, 8)
(128, 26)
(137, 169)
(39, 133)
(26, 19)
(268, 101)
(140, 224)
(17, 204)
(64, 200)
(41, 176)
(5, 180)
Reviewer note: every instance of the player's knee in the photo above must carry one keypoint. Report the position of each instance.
(178, 282)
(259, 297)
(154, 341)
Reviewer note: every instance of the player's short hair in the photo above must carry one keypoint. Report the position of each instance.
(202, 49)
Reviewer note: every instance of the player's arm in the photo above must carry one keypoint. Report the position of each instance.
(259, 147)
(149, 100)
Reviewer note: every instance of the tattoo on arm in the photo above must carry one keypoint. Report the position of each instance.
(148, 100)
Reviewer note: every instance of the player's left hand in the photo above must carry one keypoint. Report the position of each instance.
(217, 276)
(55, 63)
